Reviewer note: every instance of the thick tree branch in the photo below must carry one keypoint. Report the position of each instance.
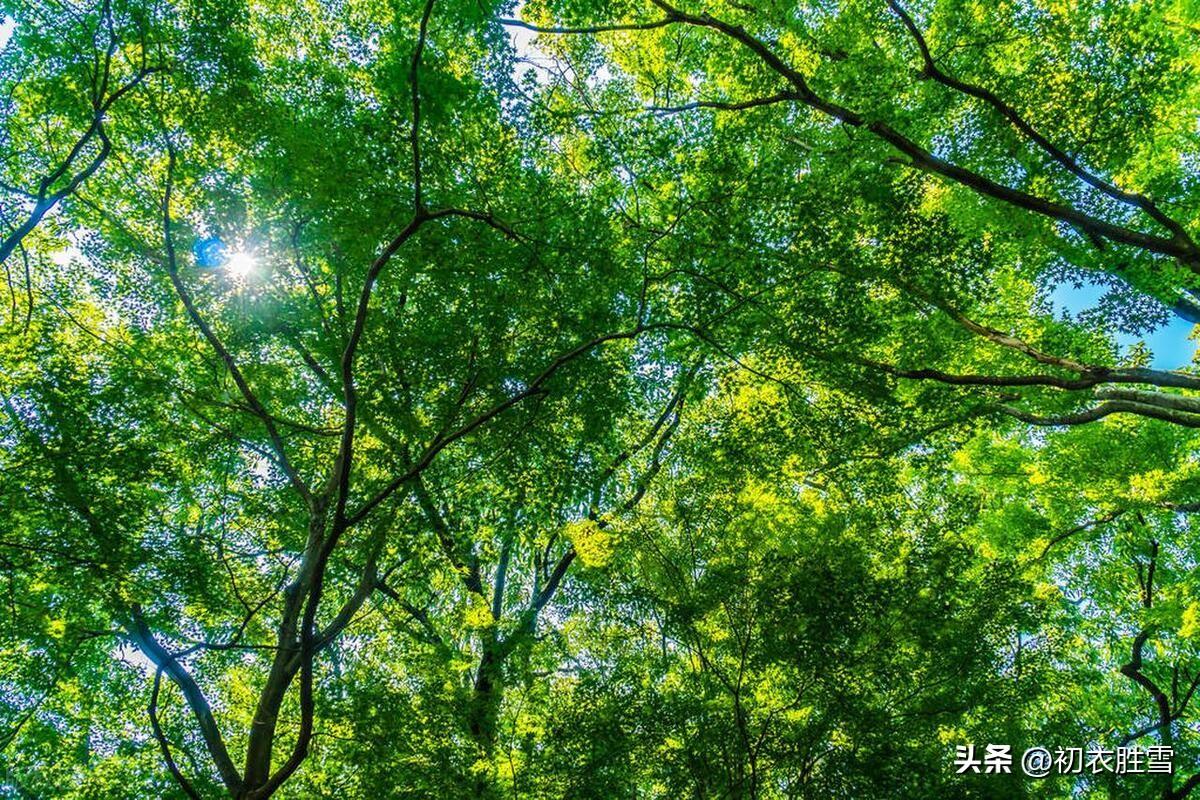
(1100, 412)
(932, 70)
(139, 634)
(1186, 252)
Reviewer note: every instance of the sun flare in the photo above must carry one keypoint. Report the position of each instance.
(240, 264)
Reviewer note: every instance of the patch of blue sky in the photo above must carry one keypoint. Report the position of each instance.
(1171, 344)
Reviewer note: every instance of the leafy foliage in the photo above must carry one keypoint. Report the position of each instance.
(594, 400)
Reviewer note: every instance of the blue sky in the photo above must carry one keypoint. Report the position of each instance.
(1170, 344)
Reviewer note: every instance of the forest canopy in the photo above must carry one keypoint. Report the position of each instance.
(619, 399)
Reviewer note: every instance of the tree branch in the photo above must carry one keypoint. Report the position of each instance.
(592, 29)
(1186, 252)
(139, 634)
(163, 745)
(1021, 124)
(215, 342)
(441, 442)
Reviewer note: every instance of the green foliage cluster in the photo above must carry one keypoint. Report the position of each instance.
(594, 399)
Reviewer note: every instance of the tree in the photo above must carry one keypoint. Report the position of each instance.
(425, 399)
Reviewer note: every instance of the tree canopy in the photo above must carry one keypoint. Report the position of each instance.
(569, 399)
